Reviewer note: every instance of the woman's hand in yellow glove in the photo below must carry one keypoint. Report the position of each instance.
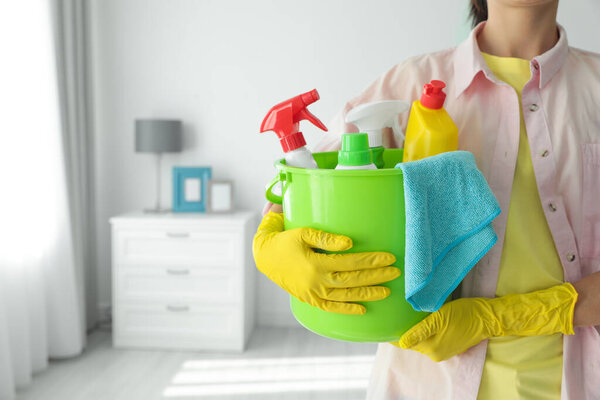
(327, 281)
(463, 323)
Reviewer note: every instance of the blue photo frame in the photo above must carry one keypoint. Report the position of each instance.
(190, 188)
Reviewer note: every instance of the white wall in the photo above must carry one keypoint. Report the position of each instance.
(220, 65)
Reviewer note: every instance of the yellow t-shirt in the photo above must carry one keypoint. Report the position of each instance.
(523, 368)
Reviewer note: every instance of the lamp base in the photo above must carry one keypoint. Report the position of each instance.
(157, 210)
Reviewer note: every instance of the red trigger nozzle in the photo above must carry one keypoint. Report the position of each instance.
(285, 117)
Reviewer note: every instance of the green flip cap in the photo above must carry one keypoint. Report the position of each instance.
(355, 150)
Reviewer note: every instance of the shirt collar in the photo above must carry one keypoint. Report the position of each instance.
(468, 61)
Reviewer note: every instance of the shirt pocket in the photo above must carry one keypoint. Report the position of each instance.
(591, 201)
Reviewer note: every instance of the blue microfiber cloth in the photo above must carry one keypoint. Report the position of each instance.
(449, 212)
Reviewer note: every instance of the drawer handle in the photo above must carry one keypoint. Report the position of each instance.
(178, 235)
(171, 271)
(178, 308)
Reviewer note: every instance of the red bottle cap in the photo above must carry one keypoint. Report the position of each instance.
(433, 97)
(292, 142)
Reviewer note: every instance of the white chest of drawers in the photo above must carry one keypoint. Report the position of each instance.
(183, 281)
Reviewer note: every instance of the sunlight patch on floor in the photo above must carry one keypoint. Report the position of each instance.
(199, 378)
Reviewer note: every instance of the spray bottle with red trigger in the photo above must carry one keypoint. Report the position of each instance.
(284, 119)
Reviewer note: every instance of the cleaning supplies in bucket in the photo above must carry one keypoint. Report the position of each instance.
(284, 119)
(430, 129)
(449, 212)
(372, 118)
(366, 205)
(355, 152)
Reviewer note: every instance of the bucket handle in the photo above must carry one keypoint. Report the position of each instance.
(272, 197)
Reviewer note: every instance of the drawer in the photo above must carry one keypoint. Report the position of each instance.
(156, 283)
(177, 320)
(178, 247)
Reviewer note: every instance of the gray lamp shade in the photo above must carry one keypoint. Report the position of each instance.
(158, 136)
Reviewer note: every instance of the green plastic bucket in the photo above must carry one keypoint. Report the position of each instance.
(367, 206)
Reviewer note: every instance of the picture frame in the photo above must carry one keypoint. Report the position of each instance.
(219, 196)
(190, 188)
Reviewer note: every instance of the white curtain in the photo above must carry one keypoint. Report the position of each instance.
(71, 44)
(43, 234)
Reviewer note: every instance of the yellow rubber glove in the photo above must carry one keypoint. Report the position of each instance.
(463, 323)
(327, 281)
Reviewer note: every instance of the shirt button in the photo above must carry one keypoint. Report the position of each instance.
(536, 65)
(533, 107)
(545, 153)
(571, 257)
(552, 207)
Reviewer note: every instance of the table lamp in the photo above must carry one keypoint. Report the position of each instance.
(157, 136)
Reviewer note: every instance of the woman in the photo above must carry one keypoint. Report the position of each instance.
(528, 107)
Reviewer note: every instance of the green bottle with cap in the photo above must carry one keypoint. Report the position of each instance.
(355, 152)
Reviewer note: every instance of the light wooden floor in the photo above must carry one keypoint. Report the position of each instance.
(280, 363)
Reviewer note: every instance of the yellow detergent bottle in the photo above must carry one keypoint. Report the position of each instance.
(430, 129)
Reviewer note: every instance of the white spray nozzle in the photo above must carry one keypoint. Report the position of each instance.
(372, 118)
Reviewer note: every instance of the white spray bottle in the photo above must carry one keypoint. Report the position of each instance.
(372, 118)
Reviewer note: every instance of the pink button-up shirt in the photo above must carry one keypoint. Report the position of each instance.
(561, 107)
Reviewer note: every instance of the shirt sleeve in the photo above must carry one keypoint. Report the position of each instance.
(399, 83)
